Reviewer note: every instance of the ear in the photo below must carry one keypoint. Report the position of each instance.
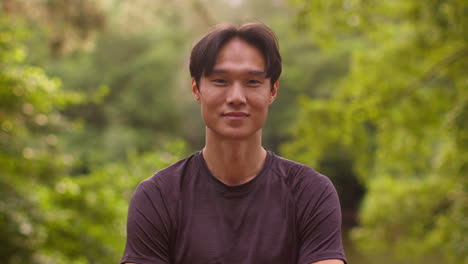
(195, 91)
(274, 91)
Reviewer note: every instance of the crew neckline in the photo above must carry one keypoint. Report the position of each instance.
(241, 188)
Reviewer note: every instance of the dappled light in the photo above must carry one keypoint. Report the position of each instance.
(95, 96)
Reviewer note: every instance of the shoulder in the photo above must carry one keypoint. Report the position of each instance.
(299, 176)
(317, 211)
(169, 181)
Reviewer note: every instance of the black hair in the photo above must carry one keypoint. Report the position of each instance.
(205, 52)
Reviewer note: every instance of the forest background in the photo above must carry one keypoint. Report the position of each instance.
(95, 97)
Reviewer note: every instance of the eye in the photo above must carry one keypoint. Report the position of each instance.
(254, 83)
(219, 81)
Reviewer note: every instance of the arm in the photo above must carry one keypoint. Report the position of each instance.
(319, 221)
(148, 227)
(329, 261)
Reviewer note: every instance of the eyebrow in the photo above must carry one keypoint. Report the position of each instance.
(254, 72)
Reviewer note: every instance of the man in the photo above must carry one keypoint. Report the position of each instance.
(235, 202)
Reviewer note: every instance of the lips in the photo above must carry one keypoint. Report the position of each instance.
(235, 115)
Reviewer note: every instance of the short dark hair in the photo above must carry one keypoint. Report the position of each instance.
(204, 53)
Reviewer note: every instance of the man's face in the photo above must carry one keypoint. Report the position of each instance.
(235, 97)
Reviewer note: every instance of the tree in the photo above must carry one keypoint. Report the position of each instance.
(71, 25)
(85, 215)
(400, 114)
(48, 215)
(127, 71)
(29, 147)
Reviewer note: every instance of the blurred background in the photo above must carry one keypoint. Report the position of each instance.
(95, 96)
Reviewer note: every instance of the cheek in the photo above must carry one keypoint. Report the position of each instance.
(260, 102)
(211, 102)
(210, 107)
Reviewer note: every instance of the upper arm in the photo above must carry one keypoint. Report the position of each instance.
(319, 223)
(329, 261)
(148, 227)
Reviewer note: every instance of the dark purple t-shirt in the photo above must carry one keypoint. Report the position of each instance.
(289, 213)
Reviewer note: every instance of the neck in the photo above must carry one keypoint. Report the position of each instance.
(234, 161)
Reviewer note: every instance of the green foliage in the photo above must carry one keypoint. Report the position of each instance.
(382, 95)
(86, 215)
(47, 215)
(71, 25)
(307, 70)
(399, 113)
(29, 120)
(130, 82)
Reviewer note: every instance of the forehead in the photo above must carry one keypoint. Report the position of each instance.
(238, 52)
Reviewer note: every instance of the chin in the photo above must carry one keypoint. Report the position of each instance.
(235, 133)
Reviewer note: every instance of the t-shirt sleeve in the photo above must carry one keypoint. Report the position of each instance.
(148, 227)
(319, 221)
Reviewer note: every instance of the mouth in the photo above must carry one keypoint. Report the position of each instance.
(235, 115)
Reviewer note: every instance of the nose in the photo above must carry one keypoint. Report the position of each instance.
(236, 94)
